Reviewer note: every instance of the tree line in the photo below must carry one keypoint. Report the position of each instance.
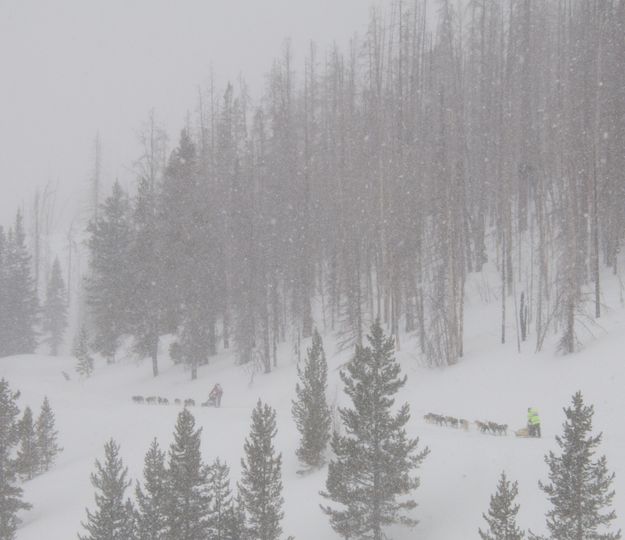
(26, 322)
(370, 183)
(373, 182)
(183, 498)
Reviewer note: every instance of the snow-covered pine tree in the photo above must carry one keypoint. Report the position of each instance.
(147, 268)
(10, 493)
(146, 274)
(151, 499)
(130, 525)
(501, 517)
(187, 505)
(221, 500)
(310, 409)
(113, 517)
(375, 459)
(109, 285)
(580, 489)
(84, 360)
(54, 321)
(191, 254)
(175, 225)
(47, 434)
(20, 297)
(261, 477)
(28, 456)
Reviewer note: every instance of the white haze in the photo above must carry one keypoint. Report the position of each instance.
(70, 68)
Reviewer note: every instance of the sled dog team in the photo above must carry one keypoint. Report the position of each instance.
(214, 399)
(450, 421)
(493, 428)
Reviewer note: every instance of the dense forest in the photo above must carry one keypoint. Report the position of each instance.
(371, 182)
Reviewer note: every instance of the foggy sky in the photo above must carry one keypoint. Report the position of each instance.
(69, 68)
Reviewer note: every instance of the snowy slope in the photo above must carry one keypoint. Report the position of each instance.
(493, 382)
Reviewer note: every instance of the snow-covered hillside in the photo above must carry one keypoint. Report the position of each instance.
(493, 382)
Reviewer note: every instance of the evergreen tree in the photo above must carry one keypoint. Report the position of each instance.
(84, 364)
(236, 524)
(189, 256)
(375, 458)
(579, 488)
(151, 499)
(4, 314)
(501, 517)
(113, 517)
(187, 506)
(54, 321)
(130, 525)
(177, 226)
(47, 446)
(310, 410)
(10, 493)
(109, 285)
(194, 337)
(146, 274)
(20, 297)
(261, 477)
(221, 505)
(28, 456)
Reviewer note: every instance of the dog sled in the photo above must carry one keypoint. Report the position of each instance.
(310, 470)
(523, 433)
(209, 403)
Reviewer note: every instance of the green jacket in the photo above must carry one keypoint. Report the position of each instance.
(532, 417)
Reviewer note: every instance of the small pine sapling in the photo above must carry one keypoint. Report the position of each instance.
(47, 436)
(84, 360)
(28, 456)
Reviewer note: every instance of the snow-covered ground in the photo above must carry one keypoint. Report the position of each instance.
(493, 382)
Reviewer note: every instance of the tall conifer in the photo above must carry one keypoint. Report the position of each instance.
(221, 505)
(310, 409)
(109, 285)
(113, 517)
(375, 459)
(261, 477)
(10, 493)
(188, 500)
(20, 297)
(580, 488)
(54, 321)
(152, 496)
(147, 273)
